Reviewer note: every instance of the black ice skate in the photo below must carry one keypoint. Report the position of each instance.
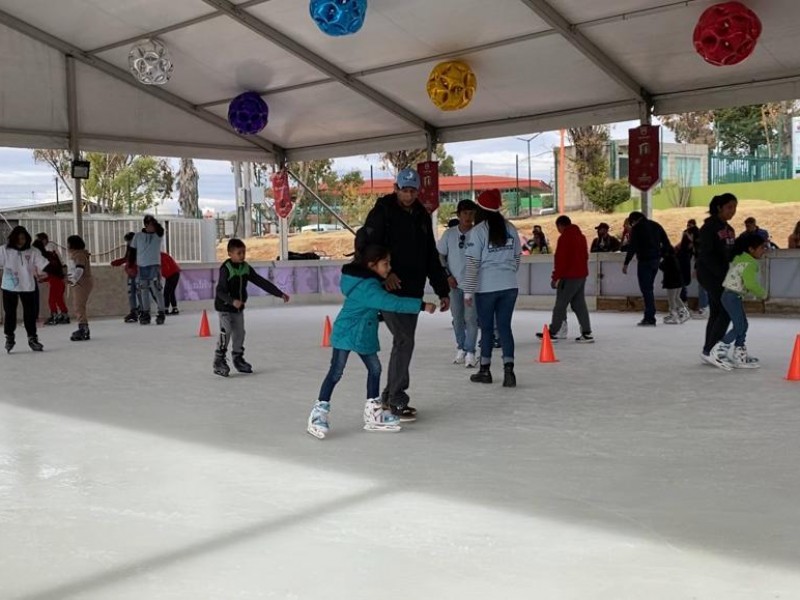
(10, 343)
(221, 367)
(34, 343)
(144, 318)
(240, 364)
(81, 335)
(160, 318)
(132, 317)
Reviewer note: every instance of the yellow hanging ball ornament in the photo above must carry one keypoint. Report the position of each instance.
(452, 85)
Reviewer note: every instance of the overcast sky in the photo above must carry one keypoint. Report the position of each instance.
(24, 183)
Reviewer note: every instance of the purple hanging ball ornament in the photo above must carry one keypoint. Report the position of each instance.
(248, 113)
(338, 17)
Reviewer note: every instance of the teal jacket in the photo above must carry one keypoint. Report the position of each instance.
(356, 326)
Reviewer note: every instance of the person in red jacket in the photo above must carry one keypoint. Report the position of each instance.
(571, 268)
(171, 273)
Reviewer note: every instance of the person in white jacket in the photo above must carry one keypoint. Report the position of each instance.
(22, 265)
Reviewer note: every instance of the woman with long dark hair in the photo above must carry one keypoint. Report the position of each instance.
(493, 256)
(714, 252)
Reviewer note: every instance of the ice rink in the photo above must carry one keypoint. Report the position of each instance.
(627, 471)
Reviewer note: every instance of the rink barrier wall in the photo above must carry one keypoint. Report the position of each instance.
(317, 282)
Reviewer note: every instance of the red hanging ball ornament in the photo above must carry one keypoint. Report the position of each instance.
(726, 33)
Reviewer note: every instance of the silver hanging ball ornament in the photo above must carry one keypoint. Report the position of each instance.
(150, 62)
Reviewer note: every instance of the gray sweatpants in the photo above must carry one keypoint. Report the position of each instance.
(676, 305)
(403, 328)
(571, 292)
(231, 329)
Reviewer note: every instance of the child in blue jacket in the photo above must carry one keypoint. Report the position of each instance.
(356, 330)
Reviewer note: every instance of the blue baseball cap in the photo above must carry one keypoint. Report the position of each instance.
(408, 178)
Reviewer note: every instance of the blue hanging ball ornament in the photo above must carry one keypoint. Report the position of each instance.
(339, 17)
(248, 113)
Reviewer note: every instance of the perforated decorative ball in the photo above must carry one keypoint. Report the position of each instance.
(150, 62)
(726, 33)
(338, 17)
(452, 85)
(248, 114)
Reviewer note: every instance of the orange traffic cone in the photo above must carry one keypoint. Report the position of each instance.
(205, 329)
(326, 333)
(546, 354)
(794, 364)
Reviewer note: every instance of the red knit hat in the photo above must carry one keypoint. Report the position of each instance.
(490, 200)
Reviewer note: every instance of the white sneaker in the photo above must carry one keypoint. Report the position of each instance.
(471, 361)
(378, 419)
(459, 358)
(740, 360)
(318, 425)
(715, 361)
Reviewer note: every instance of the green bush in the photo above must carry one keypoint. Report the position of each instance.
(605, 195)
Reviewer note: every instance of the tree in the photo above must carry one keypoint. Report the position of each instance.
(355, 207)
(692, 128)
(117, 182)
(590, 155)
(188, 195)
(606, 195)
(741, 130)
(395, 162)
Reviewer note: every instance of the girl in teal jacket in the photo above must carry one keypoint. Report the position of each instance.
(742, 279)
(356, 330)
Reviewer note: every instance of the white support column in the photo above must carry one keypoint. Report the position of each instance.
(74, 141)
(646, 117)
(284, 245)
(247, 191)
(237, 184)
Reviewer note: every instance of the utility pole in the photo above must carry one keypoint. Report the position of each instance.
(530, 181)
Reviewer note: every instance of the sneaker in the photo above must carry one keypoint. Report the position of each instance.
(715, 361)
(586, 338)
(740, 360)
(471, 361)
(377, 418)
(318, 425)
(671, 319)
(460, 357)
(646, 323)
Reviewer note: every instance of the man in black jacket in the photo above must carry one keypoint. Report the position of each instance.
(399, 222)
(649, 242)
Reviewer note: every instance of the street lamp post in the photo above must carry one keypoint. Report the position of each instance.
(530, 183)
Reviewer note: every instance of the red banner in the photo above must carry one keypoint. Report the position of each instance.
(644, 156)
(282, 194)
(429, 188)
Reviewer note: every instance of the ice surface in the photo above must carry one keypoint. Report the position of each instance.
(128, 471)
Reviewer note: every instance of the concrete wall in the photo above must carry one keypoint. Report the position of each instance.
(317, 282)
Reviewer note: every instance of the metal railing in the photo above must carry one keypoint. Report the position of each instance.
(724, 169)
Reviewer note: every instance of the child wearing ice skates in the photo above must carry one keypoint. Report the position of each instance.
(234, 275)
(673, 282)
(356, 330)
(742, 279)
(81, 283)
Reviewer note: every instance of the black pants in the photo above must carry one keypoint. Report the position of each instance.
(718, 318)
(403, 328)
(10, 302)
(170, 285)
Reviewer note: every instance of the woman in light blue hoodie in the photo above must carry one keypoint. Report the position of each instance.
(493, 257)
(356, 330)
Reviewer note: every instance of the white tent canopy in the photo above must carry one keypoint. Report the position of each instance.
(540, 65)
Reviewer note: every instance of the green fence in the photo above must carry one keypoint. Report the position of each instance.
(747, 169)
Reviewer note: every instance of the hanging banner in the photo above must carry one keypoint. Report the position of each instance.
(796, 146)
(282, 194)
(644, 156)
(429, 185)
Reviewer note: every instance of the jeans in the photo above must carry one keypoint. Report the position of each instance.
(465, 321)
(10, 302)
(133, 295)
(718, 319)
(646, 272)
(571, 292)
(499, 305)
(338, 363)
(149, 282)
(403, 327)
(733, 304)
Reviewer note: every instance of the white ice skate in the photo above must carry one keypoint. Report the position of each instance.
(471, 361)
(460, 357)
(684, 315)
(716, 358)
(376, 418)
(318, 420)
(671, 319)
(740, 359)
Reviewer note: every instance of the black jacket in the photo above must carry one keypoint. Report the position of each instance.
(408, 234)
(649, 241)
(673, 277)
(714, 248)
(232, 285)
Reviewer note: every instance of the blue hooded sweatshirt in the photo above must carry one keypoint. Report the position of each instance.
(356, 326)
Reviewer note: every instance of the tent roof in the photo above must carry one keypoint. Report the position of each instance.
(540, 65)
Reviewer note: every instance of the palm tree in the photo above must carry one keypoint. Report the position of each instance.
(188, 198)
